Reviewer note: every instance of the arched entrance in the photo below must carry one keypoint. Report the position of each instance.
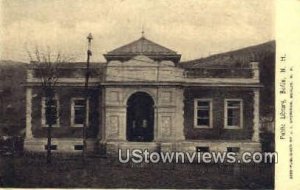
(140, 117)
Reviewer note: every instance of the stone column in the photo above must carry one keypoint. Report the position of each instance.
(28, 113)
(115, 123)
(180, 115)
(155, 124)
(256, 123)
(101, 133)
(123, 123)
(29, 74)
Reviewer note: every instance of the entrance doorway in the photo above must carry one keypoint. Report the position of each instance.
(140, 117)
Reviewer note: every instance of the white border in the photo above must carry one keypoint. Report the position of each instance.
(210, 100)
(73, 112)
(241, 114)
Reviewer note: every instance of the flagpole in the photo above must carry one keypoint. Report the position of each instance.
(86, 86)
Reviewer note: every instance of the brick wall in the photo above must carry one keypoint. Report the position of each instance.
(65, 130)
(217, 131)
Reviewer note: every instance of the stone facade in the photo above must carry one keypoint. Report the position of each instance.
(150, 72)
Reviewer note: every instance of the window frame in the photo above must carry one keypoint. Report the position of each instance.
(43, 118)
(72, 118)
(226, 114)
(210, 100)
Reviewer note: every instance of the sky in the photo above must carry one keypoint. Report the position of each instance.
(193, 28)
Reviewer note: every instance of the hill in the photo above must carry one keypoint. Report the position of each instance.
(263, 53)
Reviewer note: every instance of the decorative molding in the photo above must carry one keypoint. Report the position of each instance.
(65, 80)
(114, 125)
(255, 70)
(166, 124)
(166, 97)
(231, 81)
(114, 96)
(149, 91)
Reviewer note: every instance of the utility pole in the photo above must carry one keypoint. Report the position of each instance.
(51, 117)
(86, 89)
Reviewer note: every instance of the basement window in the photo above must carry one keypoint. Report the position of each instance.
(202, 149)
(78, 147)
(233, 149)
(52, 147)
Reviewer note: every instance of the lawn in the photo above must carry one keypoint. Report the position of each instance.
(31, 171)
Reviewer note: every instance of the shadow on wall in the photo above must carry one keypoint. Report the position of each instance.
(267, 134)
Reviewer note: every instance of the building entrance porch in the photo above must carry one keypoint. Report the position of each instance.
(140, 118)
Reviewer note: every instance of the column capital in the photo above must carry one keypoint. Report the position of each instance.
(255, 70)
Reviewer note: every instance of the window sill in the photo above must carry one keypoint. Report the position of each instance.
(77, 125)
(202, 127)
(232, 127)
(53, 126)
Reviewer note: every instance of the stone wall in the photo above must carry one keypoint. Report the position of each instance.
(168, 111)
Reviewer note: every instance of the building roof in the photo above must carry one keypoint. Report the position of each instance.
(237, 58)
(142, 46)
(72, 65)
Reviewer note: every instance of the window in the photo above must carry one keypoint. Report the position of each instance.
(233, 149)
(79, 113)
(202, 149)
(203, 113)
(78, 147)
(50, 111)
(52, 147)
(233, 113)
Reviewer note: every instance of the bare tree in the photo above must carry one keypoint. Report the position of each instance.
(46, 66)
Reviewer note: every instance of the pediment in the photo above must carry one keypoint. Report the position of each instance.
(143, 69)
(136, 61)
(141, 61)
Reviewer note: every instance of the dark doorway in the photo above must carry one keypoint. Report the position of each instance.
(140, 117)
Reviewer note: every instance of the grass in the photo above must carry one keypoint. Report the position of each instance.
(31, 171)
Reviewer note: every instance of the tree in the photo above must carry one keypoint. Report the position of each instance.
(46, 67)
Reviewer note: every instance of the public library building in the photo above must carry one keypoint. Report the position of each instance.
(143, 97)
